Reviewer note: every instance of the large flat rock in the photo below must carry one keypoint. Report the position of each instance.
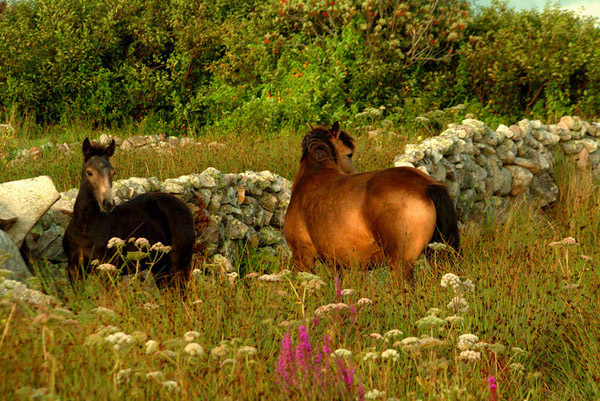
(11, 259)
(28, 199)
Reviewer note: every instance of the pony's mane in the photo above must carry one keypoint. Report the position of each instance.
(318, 146)
(95, 149)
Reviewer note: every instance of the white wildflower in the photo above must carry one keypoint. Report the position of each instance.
(305, 276)
(194, 349)
(391, 334)
(342, 353)
(168, 354)
(171, 386)
(450, 280)
(151, 346)
(101, 310)
(326, 309)
(468, 285)
(123, 375)
(458, 303)
(480, 345)
(564, 241)
(390, 354)
(232, 277)
(497, 348)
(364, 302)
(159, 247)
(434, 311)
(270, 277)
(246, 351)
(454, 319)
(150, 306)
(429, 342)
(197, 273)
(197, 302)
(115, 242)
(469, 355)
(429, 322)
(466, 341)
(348, 292)
(410, 343)
(376, 336)
(518, 351)
(438, 246)
(227, 362)
(118, 340)
(155, 375)
(191, 336)
(585, 257)
(219, 351)
(517, 368)
(371, 356)
(142, 243)
(106, 267)
(374, 394)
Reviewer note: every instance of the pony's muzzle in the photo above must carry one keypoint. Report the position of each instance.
(108, 205)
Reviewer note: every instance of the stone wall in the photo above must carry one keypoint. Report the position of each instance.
(245, 209)
(484, 168)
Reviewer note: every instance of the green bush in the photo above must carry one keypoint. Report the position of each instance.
(256, 66)
(532, 61)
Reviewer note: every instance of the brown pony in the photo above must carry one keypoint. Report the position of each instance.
(338, 215)
(158, 217)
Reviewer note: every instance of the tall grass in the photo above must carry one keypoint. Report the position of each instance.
(540, 299)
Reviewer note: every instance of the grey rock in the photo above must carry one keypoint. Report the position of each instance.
(7, 218)
(572, 146)
(137, 141)
(50, 244)
(572, 123)
(505, 154)
(235, 229)
(544, 189)
(521, 179)
(11, 259)
(268, 201)
(531, 165)
(28, 199)
(269, 236)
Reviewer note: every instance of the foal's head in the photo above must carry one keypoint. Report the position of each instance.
(329, 145)
(98, 173)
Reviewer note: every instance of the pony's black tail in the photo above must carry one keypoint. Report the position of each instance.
(446, 224)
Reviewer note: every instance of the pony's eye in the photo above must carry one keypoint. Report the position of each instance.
(89, 173)
(350, 155)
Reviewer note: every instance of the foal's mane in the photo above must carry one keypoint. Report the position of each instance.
(317, 144)
(92, 149)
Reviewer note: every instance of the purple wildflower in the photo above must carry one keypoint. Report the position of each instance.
(303, 350)
(286, 368)
(315, 322)
(361, 393)
(346, 373)
(492, 383)
(353, 313)
(338, 288)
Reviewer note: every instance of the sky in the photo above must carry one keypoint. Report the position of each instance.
(590, 7)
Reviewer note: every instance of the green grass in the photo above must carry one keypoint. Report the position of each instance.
(519, 301)
(235, 153)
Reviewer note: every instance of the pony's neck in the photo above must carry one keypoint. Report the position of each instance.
(86, 208)
(309, 169)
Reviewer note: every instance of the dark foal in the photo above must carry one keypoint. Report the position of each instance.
(158, 217)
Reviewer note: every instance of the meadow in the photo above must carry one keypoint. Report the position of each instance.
(519, 322)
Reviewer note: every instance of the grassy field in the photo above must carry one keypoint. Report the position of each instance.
(534, 307)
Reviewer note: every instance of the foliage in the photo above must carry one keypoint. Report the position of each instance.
(538, 61)
(257, 66)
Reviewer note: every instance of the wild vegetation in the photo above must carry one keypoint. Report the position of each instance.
(531, 307)
(255, 67)
(518, 321)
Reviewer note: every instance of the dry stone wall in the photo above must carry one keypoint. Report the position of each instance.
(245, 209)
(485, 168)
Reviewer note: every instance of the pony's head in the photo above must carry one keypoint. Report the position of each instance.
(329, 146)
(98, 172)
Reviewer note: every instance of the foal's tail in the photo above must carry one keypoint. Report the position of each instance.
(446, 224)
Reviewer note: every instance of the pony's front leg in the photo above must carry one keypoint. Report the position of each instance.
(304, 257)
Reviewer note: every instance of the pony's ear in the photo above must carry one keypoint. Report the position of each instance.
(86, 147)
(110, 149)
(335, 130)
